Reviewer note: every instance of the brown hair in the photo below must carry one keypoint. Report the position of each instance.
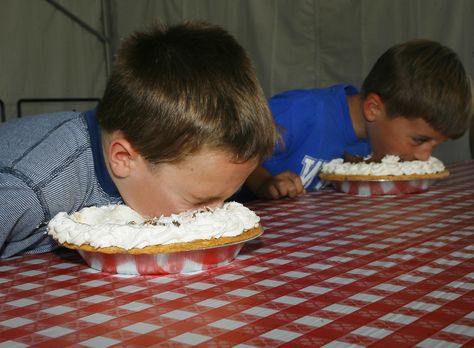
(175, 89)
(422, 78)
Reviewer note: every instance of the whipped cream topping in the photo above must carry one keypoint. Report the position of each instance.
(120, 226)
(390, 165)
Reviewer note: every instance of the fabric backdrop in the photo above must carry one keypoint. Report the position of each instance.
(293, 43)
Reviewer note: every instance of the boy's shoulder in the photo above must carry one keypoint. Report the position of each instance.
(41, 139)
(36, 126)
(347, 89)
(307, 101)
(54, 160)
(339, 89)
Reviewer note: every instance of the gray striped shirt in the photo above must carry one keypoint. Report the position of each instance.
(46, 166)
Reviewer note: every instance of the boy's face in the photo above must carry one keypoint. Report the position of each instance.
(411, 139)
(204, 179)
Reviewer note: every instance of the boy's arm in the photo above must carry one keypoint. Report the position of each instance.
(22, 219)
(266, 186)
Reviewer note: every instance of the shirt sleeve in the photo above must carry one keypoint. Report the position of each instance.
(294, 113)
(22, 218)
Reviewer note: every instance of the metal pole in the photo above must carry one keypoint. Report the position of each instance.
(107, 29)
(77, 20)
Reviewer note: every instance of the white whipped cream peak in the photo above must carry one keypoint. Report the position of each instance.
(121, 226)
(390, 165)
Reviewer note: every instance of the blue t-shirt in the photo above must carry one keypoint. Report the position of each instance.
(316, 127)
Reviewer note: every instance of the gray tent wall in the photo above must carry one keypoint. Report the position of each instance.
(294, 43)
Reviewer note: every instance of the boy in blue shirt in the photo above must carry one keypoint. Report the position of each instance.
(416, 96)
(182, 123)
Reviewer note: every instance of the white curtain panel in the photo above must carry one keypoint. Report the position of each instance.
(316, 43)
(306, 43)
(293, 43)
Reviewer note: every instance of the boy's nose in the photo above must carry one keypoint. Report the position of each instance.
(423, 154)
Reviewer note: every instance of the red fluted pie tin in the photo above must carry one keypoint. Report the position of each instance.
(165, 263)
(366, 186)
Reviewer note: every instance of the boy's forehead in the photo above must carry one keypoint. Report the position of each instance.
(416, 125)
(424, 129)
(210, 175)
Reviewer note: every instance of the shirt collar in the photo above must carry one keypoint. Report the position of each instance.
(103, 176)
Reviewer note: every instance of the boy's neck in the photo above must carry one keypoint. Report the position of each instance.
(357, 118)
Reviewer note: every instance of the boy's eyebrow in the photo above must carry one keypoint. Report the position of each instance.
(423, 137)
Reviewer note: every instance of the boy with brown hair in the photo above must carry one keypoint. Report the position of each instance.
(182, 123)
(416, 96)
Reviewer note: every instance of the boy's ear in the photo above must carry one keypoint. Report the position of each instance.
(120, 157)
(373, 107)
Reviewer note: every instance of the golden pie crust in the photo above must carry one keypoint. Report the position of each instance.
(355, 177)
(175, 247)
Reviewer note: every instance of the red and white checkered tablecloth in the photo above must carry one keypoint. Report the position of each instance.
(331, 270)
